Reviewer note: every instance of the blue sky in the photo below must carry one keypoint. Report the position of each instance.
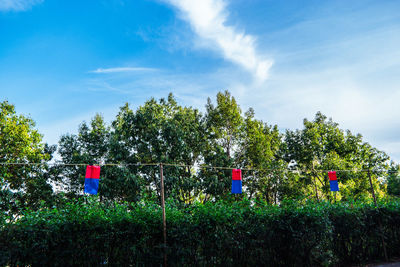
(63, 61)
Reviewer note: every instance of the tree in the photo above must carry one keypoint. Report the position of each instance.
(94, 145)
(90, 147)
(21, 143)
(323, 146)
(393, 180)
(224, 126)
(258, 150)
(375, 164)
(161, 132)
(224, 123)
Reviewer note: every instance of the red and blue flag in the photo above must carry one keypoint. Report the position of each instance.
(333, 181)
(236, 181)
(92, 178)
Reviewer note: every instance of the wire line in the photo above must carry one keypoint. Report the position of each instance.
(179, 165)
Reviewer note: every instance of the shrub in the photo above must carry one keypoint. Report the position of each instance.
(211, 234)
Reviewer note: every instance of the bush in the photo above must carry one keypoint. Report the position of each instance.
(358, 230)
(211, 234)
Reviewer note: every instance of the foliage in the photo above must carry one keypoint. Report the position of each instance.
(290, 165)
(223, 131)
(393, 180)
(212, 234)
(94, 145)
(163, 132)
(21, 143)
(323, 146)
(259, 149)
(90, 146)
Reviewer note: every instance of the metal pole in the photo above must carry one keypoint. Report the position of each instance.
(163, 215)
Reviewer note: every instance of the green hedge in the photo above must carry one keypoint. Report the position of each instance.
(213, 234)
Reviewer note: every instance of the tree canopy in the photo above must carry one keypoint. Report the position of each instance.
(276, 165)
(21, 143)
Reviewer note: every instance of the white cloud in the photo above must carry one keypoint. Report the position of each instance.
(18, 5)
(121, 69)
(208, 19)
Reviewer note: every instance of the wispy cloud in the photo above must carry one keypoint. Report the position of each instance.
(208, 20)
(18, 5)
(121, 69)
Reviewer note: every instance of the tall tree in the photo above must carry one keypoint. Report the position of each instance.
(393, 180)
(224, 124)
(162, 132)
(323, 146)
(89, 146)
(258, 150)
(21, 143)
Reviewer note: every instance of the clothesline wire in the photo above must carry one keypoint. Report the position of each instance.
(180, 165)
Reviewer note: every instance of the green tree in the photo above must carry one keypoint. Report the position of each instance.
(161, 132)
(393, 180)
(259, 149)
(375, 164)
(224, 130)
(224, 123)
(21, 143)
(89, 146)
(323, 146)
(94, 145)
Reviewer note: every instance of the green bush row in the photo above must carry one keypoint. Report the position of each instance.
(211, 234)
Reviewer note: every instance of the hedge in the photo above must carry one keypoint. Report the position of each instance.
(212, 234)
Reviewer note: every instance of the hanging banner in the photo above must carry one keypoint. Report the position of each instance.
(92, 178)
(333, 181)
(236, 181)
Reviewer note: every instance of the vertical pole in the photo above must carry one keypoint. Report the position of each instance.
(372, 187)
(315, 180)
(252, 185)
(315, 186)
(163, 215)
